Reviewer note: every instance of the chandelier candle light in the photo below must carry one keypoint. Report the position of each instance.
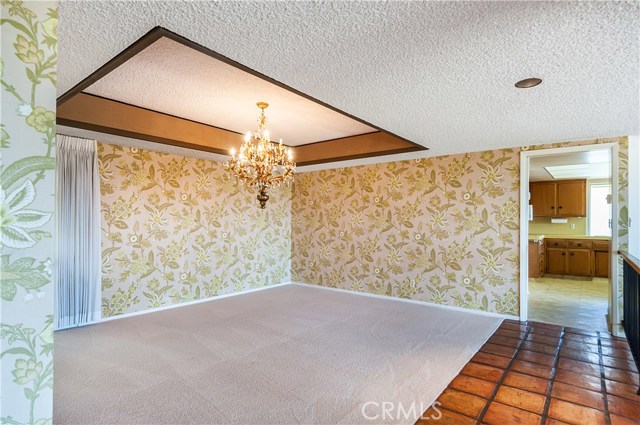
(261, 164)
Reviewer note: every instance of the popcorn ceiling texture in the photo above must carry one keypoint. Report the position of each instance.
(438, 73)
(175, 79)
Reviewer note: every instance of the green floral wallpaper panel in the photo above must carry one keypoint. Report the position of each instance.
(27, 137)
(443, 230)
(177, 229)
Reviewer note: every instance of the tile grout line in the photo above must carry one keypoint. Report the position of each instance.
(552, 376)
(502, 378)
(563, 337)
(603, 383)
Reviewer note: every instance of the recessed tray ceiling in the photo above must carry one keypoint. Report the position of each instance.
(167, 89)
(174, 79)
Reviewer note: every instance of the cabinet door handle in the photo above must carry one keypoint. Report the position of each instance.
(560, 207)
(563, 253)
(553, 208)
(572, 254)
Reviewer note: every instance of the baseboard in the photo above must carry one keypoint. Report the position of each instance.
(308, 285)
(170, 306)
(405, 300)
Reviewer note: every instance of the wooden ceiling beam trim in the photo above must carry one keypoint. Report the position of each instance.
(159, 32)
(354, 147)
(108, 116)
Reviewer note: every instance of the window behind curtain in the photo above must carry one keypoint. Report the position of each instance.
(599, 212)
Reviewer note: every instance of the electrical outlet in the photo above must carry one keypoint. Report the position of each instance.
(573, 226)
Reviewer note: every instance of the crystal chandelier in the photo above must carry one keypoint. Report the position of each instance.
(261, 164)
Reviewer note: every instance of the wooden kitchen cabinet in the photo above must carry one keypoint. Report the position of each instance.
(601, 264)
(562, 198)
(543, 198)
(556, 260)
(579, 262)
(536, 258)
(601, 258)
(572, 198)
(578, 257)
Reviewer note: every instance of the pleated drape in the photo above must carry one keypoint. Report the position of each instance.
(77, 214)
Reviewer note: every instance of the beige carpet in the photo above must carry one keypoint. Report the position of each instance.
(289, 354)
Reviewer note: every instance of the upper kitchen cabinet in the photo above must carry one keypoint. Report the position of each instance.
(562, 198)
(572, 198)
(543, 198)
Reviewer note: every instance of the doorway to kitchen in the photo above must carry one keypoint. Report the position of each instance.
(568, 234)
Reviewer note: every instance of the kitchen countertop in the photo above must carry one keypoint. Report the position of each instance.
(535, 238)
(593, 238)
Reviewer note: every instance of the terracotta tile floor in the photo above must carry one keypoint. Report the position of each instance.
(539, 373)
(576, 302)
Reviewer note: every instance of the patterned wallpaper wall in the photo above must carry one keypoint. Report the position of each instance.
(27, 137)
(443, 230)
(177, 229)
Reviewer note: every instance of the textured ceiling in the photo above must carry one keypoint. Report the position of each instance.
(172, 78)
(438, 73)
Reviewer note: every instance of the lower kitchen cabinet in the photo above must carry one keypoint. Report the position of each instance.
(536, 258)
(556, 260)
(601, 264)
(579, 262)
(577, 257)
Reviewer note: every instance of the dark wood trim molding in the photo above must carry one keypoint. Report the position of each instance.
(354, 147)
(632, 260)
(358, 156)
(138, 46)
(163, 113)
(140, 136)
(158, 32)
(111, 117)
(103, 115)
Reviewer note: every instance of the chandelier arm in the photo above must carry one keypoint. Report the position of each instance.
(261, 164)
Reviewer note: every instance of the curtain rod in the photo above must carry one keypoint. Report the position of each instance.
(70, 135)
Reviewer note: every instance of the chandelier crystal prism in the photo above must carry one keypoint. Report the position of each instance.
(261, 164)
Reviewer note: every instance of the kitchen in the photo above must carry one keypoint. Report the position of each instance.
(570, 238)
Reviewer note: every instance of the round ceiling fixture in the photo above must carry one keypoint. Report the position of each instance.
(528, 83)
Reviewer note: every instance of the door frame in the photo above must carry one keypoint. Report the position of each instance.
(525, 156)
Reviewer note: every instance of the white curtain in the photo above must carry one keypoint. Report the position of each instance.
(77, 232)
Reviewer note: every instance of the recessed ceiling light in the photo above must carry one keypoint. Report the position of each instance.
(528, 83)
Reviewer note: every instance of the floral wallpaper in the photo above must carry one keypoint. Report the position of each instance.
(27, 137)
(178, 229)
(443, 230)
